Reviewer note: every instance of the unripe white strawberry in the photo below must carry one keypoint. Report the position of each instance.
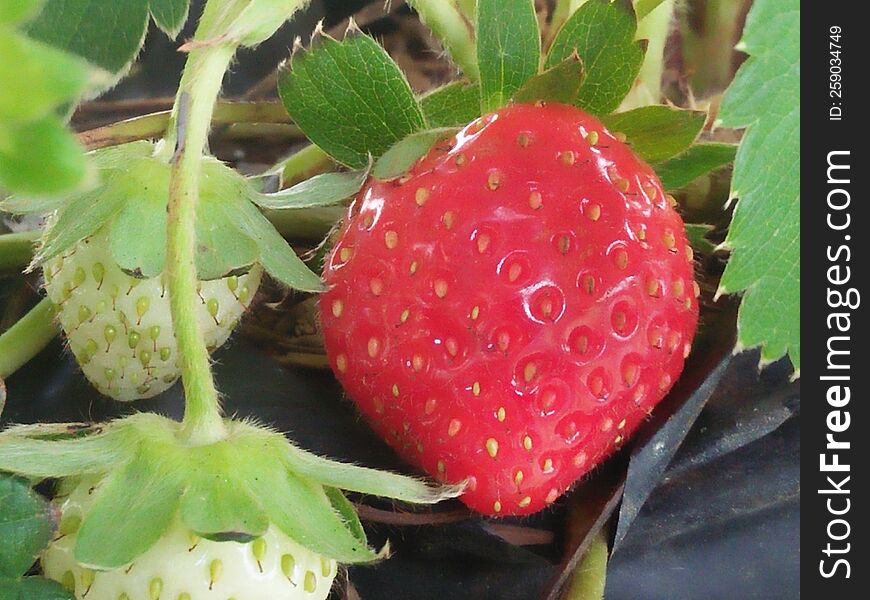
(181, 566)
(119, 327)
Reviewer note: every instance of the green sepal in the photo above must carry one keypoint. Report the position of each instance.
(401, 157)
(508, 49)
(276, 255)
(301, 509)
(325, 189)
(452, 105)
(698, 160)
(560, 83)
(132, 509)
(657, 133)
(32, 588)
(347, 512)
(43, 458)
(349, 97)
(602, 33)
(216, 505)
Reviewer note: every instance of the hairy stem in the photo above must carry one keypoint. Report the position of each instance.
(16, 249)
(449, 25)
(197, 94)
(587, 581)
(27, 337)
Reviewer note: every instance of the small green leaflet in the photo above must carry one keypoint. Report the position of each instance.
(325, 189)
(697, 236)
(657, 133)
(107, 33)
(602, 33)
(25, 529)
(764, 236)
(453, 105)
(560, 83)
(402, 156)
(349, 97)
(37, 154)
(508, 49)
(699, 159)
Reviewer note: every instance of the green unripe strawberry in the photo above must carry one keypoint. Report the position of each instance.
(184, 566)
(119, 327)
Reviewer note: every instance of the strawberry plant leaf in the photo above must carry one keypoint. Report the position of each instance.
(325, 189)
(16, 11)
(697, 233)
(508, 49)
(39, 157)
(657, 133)
(602, 33)
(560, 83)
(401, 157)
(764, 236)
(453, 105)
(302, 510)
(32, 588)
(106, 33)
(276, 255)
(699, 159)
(25, 526)
(349, 97)
(132, 508)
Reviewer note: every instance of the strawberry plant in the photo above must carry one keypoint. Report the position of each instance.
(506, 274)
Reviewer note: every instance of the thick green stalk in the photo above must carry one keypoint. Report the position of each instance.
(16, 249)
(587, 581)
(27, 337)
(654, 27)
(450, 26)
(197, 94)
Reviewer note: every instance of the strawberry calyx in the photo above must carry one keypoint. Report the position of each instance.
(234, 489)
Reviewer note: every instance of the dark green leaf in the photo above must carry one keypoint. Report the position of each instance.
(82, 217)
(321, 190)
(276, 255)
(32, 588)
(170, 15)
(132, 508)
(106, 33)
(560, 83)
(453, 105)
(302, 510)
(697, 236)
(508, 49)
(39, 157)
(657, 133)
(349, 98)
(25, 526)
(402, 156)
(602, 34)
(684, 168)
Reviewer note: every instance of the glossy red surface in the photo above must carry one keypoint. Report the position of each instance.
(512, 309)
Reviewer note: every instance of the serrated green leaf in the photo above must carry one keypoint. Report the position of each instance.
(508, 49)
(276, 255)
(132, 508)
(32, 588)
(560, 83)
(657, 133)
(325, 189)
(39, 157)
(25, 526)
(82, 217)
(698, 160)
(602, 33)
(302, 510)
(453, 105)
(402, 156)
(696, 233)
(217, 506)
(169, 15)
(765, 232)
(349, 98)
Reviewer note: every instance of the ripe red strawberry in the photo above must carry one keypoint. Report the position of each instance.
(512, 309)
